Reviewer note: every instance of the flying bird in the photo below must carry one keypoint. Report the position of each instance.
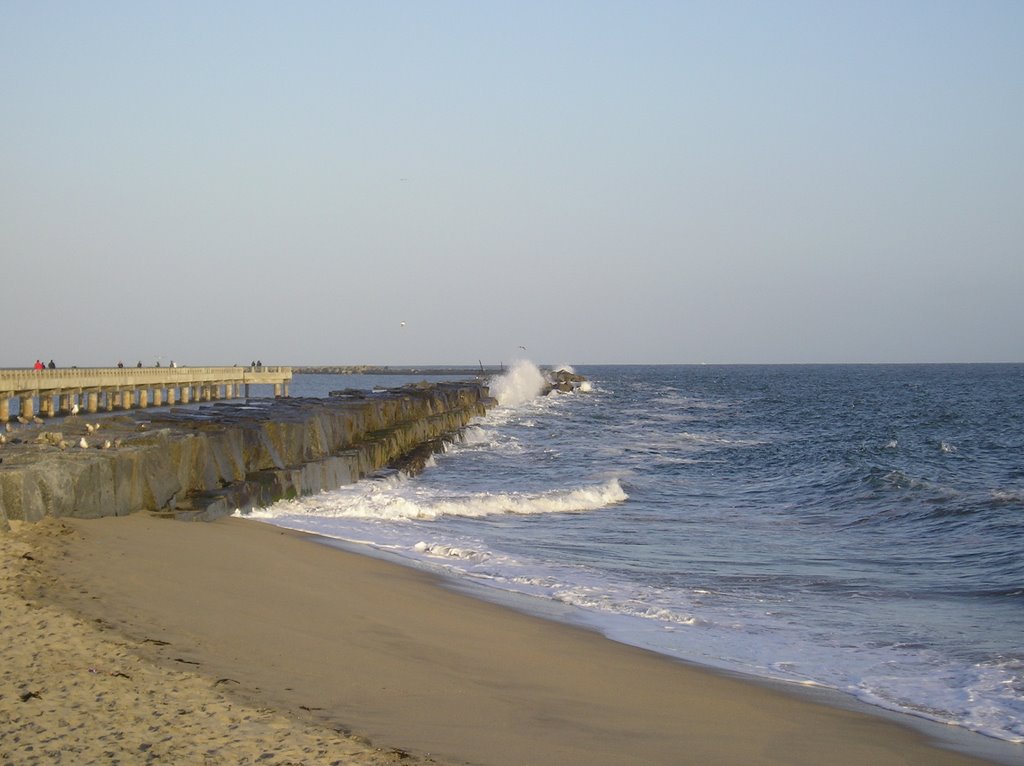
(401, 324)
(523, 348)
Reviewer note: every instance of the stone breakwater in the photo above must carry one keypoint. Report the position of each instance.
(206, 462)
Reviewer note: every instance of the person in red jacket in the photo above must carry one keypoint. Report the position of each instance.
(39, 364)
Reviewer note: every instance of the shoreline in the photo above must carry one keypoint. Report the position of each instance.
(339, 641)
(945, 735)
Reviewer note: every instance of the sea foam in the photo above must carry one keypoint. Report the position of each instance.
(385, 500)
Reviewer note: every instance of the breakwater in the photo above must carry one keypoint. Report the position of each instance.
(208, 461)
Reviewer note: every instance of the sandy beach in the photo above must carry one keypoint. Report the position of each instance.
(142, 640)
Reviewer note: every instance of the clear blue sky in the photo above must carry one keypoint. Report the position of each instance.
(602, 182)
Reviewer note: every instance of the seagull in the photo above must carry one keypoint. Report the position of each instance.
(83, 443)
(37, 420)
(523, 348)
(90, 427)
(22, 420)
(8, 427)
(74, 409)
(106, 444)
(3, 439)
(401, 324)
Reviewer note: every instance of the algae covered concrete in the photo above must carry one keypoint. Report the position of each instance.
(208, 461)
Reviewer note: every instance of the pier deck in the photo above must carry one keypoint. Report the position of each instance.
(59, 392)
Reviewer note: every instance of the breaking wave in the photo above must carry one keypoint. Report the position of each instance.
(524, 381)
(385, 501)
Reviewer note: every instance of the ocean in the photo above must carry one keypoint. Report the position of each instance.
(853, 527)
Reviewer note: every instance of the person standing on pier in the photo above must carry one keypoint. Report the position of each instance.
(38, 365)
(51, 365)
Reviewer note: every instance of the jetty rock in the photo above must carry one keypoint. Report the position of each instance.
(563, 381)
(202, 462)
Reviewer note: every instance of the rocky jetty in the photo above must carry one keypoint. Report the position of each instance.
(205, 462)
(563, 381)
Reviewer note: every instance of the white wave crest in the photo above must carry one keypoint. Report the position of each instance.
(523, 381)
(378, 501)
(1007, 496)
(441, 550)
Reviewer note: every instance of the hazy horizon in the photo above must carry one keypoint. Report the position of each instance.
(444, 183)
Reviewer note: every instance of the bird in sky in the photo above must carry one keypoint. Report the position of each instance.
(523, 348)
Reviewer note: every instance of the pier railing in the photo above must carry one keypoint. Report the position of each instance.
(90, 389)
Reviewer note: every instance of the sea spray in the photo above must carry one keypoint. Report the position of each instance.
(523, 382)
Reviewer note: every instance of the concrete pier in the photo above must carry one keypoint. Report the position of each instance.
(128, 387)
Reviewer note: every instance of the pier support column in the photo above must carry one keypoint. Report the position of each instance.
(26, 406)
(172, 395)
(277, 390)
(143, 398)
(5, 407)
(246, 390)
(92, 401)
(63, 403)
(186, 394)
(127, 399)
(158, 397)
(46, 405)
(112, 398)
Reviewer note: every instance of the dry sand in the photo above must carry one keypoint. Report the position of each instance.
(138, 640)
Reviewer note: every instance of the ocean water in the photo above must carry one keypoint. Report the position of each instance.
(854, 527)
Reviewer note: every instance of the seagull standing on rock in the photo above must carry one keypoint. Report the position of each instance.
(83, 443)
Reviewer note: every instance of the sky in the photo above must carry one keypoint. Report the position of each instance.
(600, 182)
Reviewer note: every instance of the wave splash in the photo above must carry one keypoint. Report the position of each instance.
(381, 501)
(523, 382)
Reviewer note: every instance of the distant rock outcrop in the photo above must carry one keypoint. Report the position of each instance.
(564, 381)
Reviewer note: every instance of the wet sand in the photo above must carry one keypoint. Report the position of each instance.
(140, 639)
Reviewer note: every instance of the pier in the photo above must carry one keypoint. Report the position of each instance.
(369, 369)
(89, 390)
